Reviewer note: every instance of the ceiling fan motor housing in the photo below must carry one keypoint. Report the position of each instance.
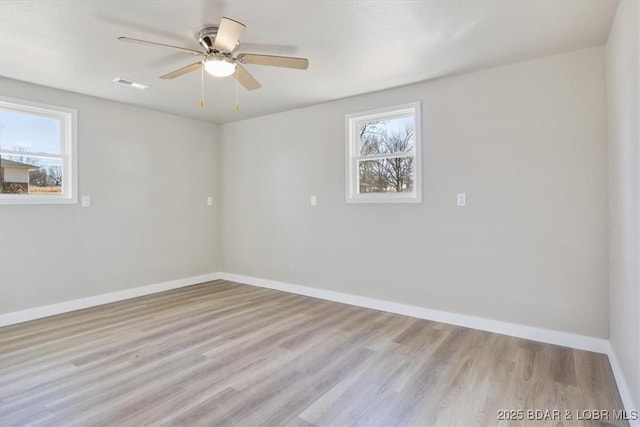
(207, 36)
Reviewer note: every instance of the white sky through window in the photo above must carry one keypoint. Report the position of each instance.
(29, 133)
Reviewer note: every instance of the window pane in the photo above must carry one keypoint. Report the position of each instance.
(30, 175)
(29, 132)
(386, 136)
(394, 175)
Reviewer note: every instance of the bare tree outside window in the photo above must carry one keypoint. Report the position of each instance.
(394, 174)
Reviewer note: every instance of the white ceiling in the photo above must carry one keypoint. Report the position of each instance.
(354, 47)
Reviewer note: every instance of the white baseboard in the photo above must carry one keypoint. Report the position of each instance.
(566, 339)
(623, 386)
(77, 304)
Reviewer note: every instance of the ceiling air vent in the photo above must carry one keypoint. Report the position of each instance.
(130, 83)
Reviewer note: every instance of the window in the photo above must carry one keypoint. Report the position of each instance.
(383, 155)
(38, 162)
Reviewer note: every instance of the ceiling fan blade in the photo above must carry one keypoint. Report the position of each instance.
(274, 61)
(229, 34)
(165, 46)
(246, 79)
(184, 70)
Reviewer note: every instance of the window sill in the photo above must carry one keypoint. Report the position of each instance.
(384, 199)
(37, 200)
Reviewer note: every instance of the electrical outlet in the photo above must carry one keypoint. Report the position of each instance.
(461, 199)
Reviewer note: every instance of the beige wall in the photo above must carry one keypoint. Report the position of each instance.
(623, 74)
(148, 175)
(526, 142)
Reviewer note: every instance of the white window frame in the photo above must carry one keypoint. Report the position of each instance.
(352, 177)
(68, 152)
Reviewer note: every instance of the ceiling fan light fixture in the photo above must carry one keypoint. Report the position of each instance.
(218, 57)
(219, 67)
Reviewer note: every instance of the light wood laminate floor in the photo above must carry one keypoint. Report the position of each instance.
(222, 353)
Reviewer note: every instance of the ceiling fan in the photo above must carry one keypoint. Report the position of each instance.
(218, 58)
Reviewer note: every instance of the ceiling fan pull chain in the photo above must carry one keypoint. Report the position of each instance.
(237, 106)
(202, 103)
